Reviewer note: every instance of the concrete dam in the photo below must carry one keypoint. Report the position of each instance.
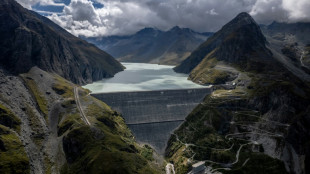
(153, 115)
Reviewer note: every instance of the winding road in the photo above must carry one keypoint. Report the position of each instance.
(78, 104)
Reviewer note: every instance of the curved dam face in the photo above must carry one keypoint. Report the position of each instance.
(153, 115)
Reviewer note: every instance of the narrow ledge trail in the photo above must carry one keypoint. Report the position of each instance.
(78, 104)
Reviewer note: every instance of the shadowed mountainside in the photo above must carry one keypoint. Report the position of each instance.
(28, 39)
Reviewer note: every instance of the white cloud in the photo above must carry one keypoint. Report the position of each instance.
(266, 11)
(29, 3)
(281, 10)
(213, 12)
(298, 10)
(82, 10)
(120, 17)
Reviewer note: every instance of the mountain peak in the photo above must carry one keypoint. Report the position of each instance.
(239, 42)
(148, 30)
(244, 15)
(241, 20)
(175, 28)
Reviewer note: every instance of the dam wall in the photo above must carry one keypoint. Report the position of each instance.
(153, 115)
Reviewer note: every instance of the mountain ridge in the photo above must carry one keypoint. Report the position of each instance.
(151, 45)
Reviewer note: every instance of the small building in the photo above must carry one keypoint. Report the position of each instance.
(198, 168)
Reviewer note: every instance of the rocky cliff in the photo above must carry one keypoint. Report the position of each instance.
(258, 122)
(152, 45)
(28, 40)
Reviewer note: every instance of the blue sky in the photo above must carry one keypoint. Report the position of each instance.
(47, 9)
(94, 18)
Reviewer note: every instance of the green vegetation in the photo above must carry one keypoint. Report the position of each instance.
(257, 163)
(8, 119)
(12, 153)
(264, 86)
(205, 72)
(99, 151)
(177, 156)
(42, 103)
(33, 120)
(108, 119)
(105, 147)
(206, 129)
(147, 152)
(62, 87)
(71, 120)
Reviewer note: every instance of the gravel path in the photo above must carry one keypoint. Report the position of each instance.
(78, 104)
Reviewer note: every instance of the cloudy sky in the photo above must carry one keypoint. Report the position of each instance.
(122, 17)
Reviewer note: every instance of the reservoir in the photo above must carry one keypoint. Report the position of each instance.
(143, 77)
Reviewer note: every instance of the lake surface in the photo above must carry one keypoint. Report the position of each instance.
(143, 77)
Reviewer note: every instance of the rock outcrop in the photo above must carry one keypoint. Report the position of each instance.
(28, 40)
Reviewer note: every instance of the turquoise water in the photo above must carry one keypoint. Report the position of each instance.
(143, 77)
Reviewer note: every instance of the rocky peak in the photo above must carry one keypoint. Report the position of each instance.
(243, 18)
(234, 43)
(243, 24)
(148, 31)
(176, 28)
(240, 38)
(179, 30)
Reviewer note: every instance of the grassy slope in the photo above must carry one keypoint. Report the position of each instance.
(37, 93)
(205, 73)
(105, 147)
(8, 119)
(12, 153)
